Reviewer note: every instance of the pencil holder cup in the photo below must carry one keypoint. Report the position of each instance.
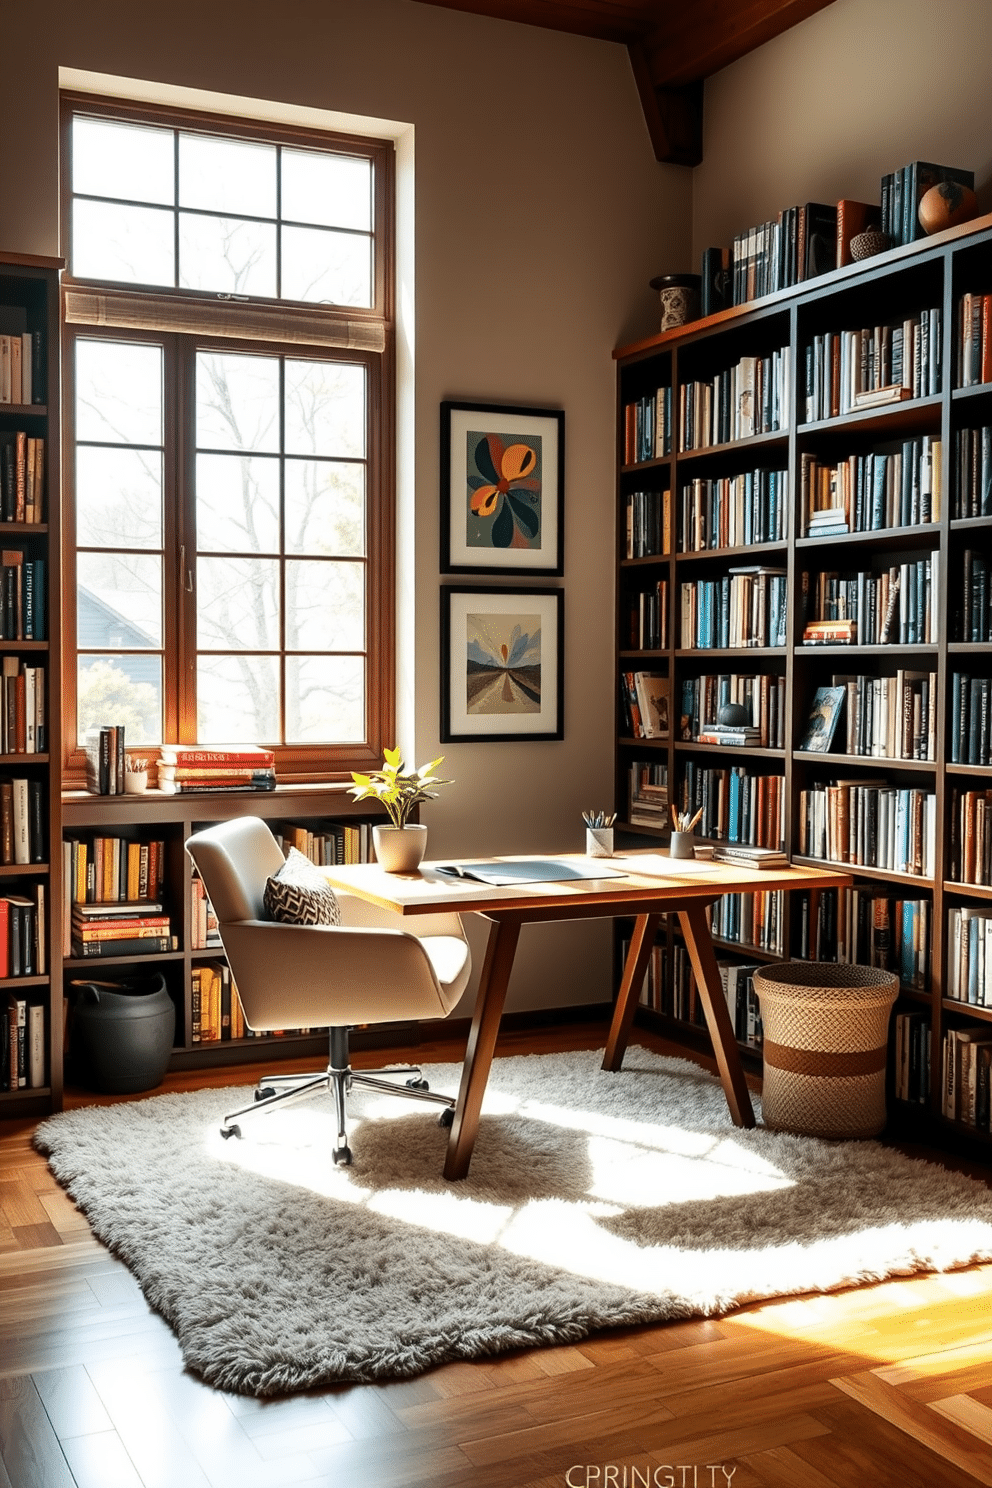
(682, 845)
(599, 842)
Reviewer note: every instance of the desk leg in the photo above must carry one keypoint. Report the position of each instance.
(503, 936)
(645, 930)
(699, 944)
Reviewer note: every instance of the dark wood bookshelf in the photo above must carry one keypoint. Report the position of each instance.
(934, 272)
(172, 819)
(29, 302)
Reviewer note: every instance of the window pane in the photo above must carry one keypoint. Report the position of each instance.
(335, 190)
(325, 508)
(325, 606)
(121, 689)
(325, 409)
(119, 601)
(237, 504)
(328, 268)
(227, 175)
(227, 254)
(325, 699)
(238, 604)
(237, 402)
(118, 498)
(131, 161)
(131, 244)
(237, 700)
(119, 392)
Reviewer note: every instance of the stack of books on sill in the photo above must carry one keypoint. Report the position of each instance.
(130, 928)
(188, 770)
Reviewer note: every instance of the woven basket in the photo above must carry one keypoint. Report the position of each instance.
(825, 1043)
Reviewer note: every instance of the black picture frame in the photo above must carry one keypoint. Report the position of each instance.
(510, 705)
(467, 544)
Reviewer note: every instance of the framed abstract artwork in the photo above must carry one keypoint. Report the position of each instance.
(502, 665)
(502, 489)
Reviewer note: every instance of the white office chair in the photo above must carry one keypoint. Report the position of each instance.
(367, 970)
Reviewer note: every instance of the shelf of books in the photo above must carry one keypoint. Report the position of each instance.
(31, 1057)
(131, 896)
(804, 623)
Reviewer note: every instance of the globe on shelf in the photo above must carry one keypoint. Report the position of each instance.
(732, 715)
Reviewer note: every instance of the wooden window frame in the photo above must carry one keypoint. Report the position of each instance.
(106, 311)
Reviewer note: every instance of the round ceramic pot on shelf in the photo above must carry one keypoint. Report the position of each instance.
(399, 849)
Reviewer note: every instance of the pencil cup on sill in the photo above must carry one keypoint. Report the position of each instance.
(599, 842)
(682, 845)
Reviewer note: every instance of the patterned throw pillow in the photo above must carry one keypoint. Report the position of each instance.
(299, 894)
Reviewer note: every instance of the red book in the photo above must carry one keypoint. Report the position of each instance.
(245, 754)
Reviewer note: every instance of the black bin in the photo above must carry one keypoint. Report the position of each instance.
(122, 1032)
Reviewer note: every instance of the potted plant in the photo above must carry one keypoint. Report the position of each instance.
(400, 847)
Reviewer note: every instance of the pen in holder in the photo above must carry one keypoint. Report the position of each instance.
(682, 843)
(599, 833)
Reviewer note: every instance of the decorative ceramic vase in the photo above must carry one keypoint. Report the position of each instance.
(135, 782)
(679, 294)
(945, 205)
(867, 244)
(682, 845)
(400, 849)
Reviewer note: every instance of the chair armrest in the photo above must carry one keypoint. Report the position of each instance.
(315, 976)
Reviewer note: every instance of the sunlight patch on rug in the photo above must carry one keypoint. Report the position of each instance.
(594, 1199)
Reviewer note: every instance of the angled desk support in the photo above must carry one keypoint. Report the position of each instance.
(645, 898)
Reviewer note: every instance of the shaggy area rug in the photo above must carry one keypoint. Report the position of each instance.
(594, 1200)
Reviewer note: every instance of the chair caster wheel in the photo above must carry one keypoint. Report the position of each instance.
(230, 1131)
(264, 1093)
(342, 1156)
(446, 1117)
(417, 1085)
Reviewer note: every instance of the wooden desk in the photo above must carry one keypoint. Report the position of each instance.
(686, 893)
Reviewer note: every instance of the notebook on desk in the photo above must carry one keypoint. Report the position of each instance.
(533, 870)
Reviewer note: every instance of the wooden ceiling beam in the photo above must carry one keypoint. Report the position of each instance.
(674, 45)
(689, 42)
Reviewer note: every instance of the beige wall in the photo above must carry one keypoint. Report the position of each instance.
(540, 215)
(824, 111)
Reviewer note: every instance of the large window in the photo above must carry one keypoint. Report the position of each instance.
(229, 559)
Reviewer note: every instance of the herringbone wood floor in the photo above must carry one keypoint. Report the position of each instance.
(882, 1385)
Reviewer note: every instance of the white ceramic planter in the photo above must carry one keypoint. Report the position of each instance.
(400, 849)
(135, 782)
